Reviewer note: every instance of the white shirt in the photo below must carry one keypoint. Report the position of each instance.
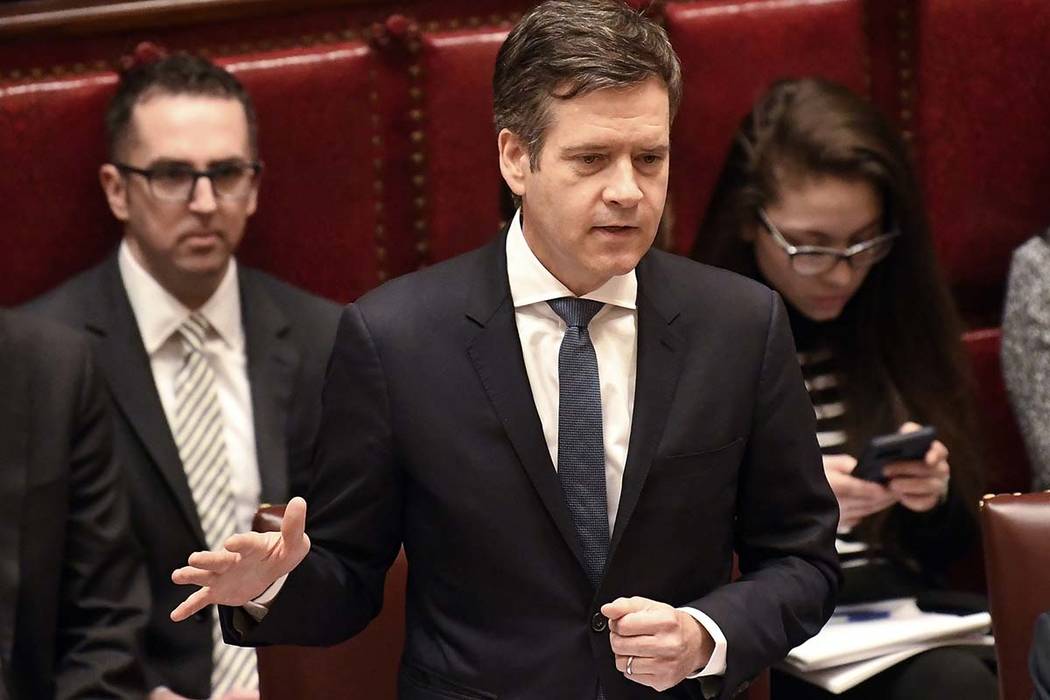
(159, 315)
(614, 334)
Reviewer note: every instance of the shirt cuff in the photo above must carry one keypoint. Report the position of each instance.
(716, 665)
(260, 605)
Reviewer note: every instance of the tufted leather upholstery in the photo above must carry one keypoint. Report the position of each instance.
(1016, 528)
(730, 53)
(54, 218)
(316, 221)
(460, 139)
(981, 116)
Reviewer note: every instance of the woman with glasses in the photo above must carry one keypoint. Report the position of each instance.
(817, 200)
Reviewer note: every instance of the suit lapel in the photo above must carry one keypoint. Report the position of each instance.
(127, 368)
(495, 352)
(14, 463)
(660, 352)
(272, 363)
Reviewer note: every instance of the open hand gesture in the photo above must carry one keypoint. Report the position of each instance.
(246, 566)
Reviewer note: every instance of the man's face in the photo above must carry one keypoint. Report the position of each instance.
(591, 208)
(185, 245)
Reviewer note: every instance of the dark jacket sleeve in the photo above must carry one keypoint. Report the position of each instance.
(354, 508)
(785, 525)
(104, 591)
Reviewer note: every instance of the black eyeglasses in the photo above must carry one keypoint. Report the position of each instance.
(176, 183)
(809, 260)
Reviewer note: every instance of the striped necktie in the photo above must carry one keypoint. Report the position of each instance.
(202, 448)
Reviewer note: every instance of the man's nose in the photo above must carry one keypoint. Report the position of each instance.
(202, 196)
(623, 189)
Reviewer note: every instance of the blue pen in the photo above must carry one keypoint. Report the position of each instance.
(863, 615)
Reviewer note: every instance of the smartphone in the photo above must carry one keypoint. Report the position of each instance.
(895, 447)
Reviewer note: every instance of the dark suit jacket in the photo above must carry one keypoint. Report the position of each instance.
(1039, 660)
(289, 335)
(430, 437)
(73, 590)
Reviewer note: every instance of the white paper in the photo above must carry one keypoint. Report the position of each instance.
(839, 679)
(842, 641)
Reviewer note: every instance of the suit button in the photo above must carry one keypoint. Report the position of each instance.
(599, 623)
(201, 615)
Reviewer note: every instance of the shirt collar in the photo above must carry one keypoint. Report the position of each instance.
(531, 282)
(159, 314)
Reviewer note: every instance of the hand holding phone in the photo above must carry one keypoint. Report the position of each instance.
(894, 447)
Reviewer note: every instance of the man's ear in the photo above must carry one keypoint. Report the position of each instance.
(115, 186)
(513, 161)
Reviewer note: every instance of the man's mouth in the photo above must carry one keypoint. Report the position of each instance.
(616, 229)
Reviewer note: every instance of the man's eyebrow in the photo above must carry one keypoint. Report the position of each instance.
(587, 147)
(170, 162)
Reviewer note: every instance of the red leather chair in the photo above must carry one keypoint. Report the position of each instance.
(460, 139)
(1006, 460)
(981, 110)
(1016, 530)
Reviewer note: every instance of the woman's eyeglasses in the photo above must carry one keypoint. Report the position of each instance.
(811, 260)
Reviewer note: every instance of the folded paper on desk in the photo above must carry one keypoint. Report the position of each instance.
(862, 640)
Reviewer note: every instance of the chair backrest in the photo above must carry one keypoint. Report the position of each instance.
(1016, 530)
(363, 667)
(982, 152)
(1006, 461)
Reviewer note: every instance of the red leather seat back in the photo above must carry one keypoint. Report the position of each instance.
(54, 218)
(1006, 460)
(462, 177)
(731, 51)
(316, 222)
(1016, 529)
(982, 110)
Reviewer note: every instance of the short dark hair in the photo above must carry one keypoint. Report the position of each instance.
(565, 48)
(177, 74)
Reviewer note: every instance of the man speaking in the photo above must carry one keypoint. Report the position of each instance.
(569, 433)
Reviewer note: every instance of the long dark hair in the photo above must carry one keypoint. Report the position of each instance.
(897, 342)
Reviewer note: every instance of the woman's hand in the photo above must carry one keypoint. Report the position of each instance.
(920, 484)
(857, 498)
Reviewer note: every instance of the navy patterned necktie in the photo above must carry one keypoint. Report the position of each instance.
(581, 449)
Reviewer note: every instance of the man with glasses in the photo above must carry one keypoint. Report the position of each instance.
(215, 369)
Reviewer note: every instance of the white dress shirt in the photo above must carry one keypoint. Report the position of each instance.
(159, 315)
(614, 334)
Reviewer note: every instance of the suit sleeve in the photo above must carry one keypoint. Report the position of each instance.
(354, 508)
(785, 524)
(104, 591)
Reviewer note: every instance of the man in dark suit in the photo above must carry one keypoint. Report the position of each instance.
(569, 433)
(73, 590)
(215, 369)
